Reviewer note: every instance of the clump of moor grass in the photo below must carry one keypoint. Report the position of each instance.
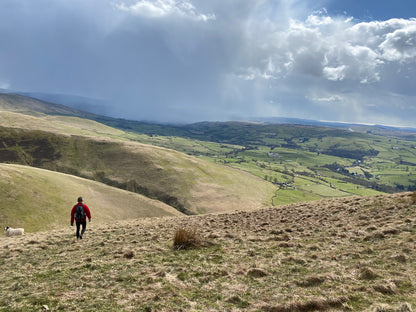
(186, 239)
(128, 254)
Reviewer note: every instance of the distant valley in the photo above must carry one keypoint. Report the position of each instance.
(57, 138)
(209, 166)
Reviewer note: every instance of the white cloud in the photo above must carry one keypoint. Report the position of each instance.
(400, 45)
(336, 49)
(327, 98)
(163, 8)
(339, 67)
(319, 20)
(335, 73)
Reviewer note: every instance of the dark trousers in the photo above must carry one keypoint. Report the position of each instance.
(84, 227)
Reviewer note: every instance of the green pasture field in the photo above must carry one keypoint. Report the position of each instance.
(325, 191)
(318, 161)
(288, 196)
(260, 150)
(388, 161)
(188, 146)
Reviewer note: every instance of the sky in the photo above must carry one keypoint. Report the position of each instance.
(217, 60)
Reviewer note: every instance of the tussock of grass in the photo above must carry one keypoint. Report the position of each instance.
(367, 274)
(387, 288)
(128, 254)
(186, 239)
(257, 273)
(312, 281)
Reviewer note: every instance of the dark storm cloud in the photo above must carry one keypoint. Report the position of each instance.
(186, 60)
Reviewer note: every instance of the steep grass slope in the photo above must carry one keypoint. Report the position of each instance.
(91, 150)
(189, 184)
(38, 199)
(350, 254)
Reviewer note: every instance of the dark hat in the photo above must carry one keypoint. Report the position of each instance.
(80, 199)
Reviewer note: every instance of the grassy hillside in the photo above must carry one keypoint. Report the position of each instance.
(67, 125)
(385, 157)
(91, 150)
(40, 200)
(298, 162)
(28, 105)
(349, 254)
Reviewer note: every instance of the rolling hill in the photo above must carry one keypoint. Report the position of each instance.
(297, 162)
(38, 134)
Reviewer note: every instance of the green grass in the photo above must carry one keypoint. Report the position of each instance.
(284, 197)
(189, 184)
(298, 153)
(39, 199)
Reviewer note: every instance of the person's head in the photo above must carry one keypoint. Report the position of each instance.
(80, 199)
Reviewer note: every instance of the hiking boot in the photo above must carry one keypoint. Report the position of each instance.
(80, 237)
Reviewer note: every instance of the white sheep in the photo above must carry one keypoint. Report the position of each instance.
(13, 232)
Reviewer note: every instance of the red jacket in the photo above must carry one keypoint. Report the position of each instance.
(86, 210)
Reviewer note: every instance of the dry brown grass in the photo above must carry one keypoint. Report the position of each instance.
(331, 262)
(405, 307)
(186, 239)
(367, 274)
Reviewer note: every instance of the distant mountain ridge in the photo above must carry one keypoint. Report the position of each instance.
(323, 123)
(21, 103)
(81, 103)
(87, 106)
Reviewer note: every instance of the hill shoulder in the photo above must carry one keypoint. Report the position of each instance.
(28, 105)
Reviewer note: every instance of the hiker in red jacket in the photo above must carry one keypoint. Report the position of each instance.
(80, 212)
